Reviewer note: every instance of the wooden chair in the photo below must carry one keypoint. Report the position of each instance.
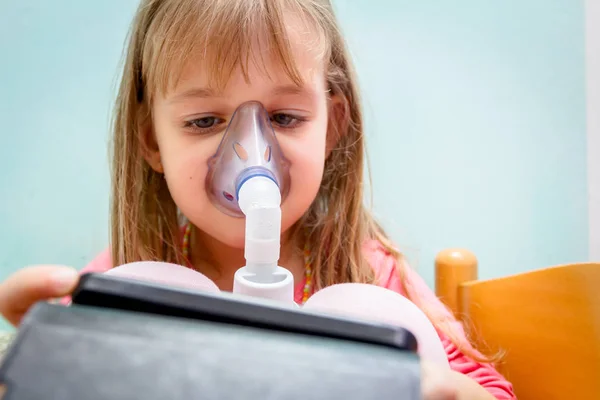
(546, 321)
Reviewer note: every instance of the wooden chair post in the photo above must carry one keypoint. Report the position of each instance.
(452, 268)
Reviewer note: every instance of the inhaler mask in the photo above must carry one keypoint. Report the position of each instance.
(248, 149)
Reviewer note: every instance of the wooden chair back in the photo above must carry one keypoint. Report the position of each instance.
(547, 323)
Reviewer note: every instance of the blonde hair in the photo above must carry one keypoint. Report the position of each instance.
(165, 34)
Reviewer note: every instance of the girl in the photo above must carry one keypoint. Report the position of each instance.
(189, 65)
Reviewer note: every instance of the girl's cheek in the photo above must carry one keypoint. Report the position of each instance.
(192, 169)
(309, 143)
(185, 169)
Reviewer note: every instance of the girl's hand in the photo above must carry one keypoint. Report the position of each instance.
(30, 285)
(437, 383)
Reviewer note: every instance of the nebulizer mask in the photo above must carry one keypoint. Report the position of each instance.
(248, 177)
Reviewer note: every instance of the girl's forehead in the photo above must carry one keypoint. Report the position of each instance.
(260, 75)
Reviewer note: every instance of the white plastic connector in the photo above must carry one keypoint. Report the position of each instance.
(260, 201)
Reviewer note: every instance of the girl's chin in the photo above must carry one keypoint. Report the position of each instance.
(232, 238)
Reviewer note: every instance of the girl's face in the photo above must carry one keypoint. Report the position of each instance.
(190, 120)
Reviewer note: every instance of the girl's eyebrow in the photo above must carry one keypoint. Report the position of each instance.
(291, 90)
(197, 92)
(201, 92)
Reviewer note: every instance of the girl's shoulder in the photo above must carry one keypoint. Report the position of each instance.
(393, 272)
(396, 274)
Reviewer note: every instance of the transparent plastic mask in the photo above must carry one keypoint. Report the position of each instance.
(248, 148)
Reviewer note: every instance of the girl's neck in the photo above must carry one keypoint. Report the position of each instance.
(219, 262)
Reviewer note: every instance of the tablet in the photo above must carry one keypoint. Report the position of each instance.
(98, 353)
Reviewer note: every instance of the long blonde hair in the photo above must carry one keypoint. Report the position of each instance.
(165, 34)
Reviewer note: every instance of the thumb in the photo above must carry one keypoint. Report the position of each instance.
(29, 285)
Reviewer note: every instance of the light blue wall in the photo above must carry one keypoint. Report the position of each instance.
(475, 116)
(57, 79)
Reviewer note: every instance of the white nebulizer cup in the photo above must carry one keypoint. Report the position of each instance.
(249, 177)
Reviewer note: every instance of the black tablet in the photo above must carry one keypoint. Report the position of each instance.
(98, 353)
(111, 292)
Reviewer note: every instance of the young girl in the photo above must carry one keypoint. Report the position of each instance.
(189, 65)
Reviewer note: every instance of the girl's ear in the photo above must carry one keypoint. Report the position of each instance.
(338, 122)
(149, 145)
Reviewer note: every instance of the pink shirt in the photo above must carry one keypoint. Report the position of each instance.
(386, 268)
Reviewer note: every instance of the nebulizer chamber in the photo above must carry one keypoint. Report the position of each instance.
(248, 178)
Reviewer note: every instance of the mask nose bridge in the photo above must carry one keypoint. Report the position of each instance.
(254, 146)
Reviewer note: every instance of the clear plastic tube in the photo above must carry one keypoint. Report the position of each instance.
(259, 198)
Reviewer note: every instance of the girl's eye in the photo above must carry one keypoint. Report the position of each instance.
(205, 122)
(285, 120)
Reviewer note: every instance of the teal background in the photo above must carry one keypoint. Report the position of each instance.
(475, 116)
(476, 120)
